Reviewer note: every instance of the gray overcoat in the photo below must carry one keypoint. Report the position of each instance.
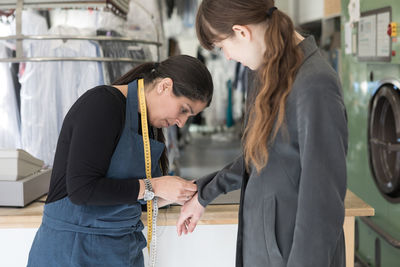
(292, 212)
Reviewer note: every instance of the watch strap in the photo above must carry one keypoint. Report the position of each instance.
(147, 185)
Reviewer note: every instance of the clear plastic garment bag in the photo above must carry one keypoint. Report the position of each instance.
(48, 90)
(9, 114)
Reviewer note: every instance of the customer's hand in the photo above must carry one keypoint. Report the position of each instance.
(173, 189)
(191, 213)
(163, 202)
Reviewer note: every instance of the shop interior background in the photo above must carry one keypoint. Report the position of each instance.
(35, 96)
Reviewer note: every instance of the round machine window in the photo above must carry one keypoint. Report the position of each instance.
(384, 141)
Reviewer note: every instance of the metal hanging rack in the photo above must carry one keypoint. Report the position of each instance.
(120, 7)
(19, 37)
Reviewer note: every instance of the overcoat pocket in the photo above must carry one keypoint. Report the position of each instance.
(269, 217)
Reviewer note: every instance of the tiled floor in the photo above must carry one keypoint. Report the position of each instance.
(208, 153)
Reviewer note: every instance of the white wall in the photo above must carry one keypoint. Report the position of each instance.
(208, 245)
(309, 10)
(14, 246)
(289, 7)
(285, 6)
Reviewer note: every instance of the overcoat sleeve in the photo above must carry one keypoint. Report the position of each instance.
(223, 181)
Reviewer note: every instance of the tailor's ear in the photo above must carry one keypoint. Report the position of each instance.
(165, 85)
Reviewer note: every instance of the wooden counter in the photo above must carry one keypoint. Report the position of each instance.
(31, 216)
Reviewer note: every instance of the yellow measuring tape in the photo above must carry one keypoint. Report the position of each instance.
(147, 156)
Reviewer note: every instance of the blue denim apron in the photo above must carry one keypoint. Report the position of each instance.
(85, 235)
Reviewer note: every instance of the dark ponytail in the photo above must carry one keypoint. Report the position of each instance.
(144, 71)
(190, 78)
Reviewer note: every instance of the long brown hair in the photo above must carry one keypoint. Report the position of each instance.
(282, 59)
(190, 78)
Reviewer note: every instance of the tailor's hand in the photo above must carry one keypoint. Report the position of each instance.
(173, 189)
(191, 213)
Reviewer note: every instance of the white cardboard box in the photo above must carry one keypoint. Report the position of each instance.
(17, 164)
(22, 192)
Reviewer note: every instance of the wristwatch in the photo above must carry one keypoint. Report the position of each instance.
(148, 190)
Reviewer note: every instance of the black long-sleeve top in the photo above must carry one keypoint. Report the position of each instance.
(88, 138)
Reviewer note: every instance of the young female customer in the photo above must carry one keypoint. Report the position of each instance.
(292, 172)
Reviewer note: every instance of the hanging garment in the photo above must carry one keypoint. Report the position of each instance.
(85, 235)
(9, 114)
(32, 24)
(86, 19)
(48, 89)
(240, 85)
(104, 21)
(221, 71)
(10, 134)
(145, 21)
(143, 16)
(189, 15)
(107, 21)
(118, 50)
(171, 141)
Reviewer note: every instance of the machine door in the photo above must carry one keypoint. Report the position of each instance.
(384, 141)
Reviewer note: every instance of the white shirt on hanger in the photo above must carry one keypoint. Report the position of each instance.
(50, 88)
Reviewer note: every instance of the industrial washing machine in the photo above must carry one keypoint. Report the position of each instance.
(370, 74)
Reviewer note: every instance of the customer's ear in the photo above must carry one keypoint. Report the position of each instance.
(242, 31)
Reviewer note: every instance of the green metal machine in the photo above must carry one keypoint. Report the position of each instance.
(371, 81)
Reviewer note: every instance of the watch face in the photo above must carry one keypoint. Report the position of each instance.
(148, 195)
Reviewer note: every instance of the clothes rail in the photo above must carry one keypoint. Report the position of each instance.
(74, 37)
(98, 59)
(37, 4)
(65, 37)
(122, 6)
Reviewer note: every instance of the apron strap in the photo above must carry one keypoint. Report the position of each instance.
(132, 107)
